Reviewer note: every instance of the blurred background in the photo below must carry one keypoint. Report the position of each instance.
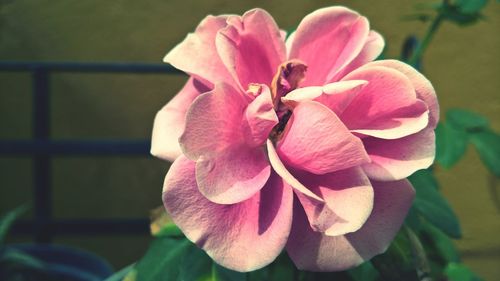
(462, 63)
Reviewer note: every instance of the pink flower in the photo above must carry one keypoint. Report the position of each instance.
(301, 144)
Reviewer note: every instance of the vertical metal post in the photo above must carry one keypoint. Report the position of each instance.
(41, 162)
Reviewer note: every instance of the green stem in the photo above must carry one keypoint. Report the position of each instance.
(419, 51)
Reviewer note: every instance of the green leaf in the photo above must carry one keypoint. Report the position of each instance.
(466, 120)
(470, 6)
(487, 144)
(21, 259)
(432, 205)
(365, 272)
(461, 12)
(220, 273)
(120, 274)
(413, 219)
(397, 262)
(459, 272)
(451, 144)
(169, 230)
(162, 260)
(196, 265)
(282, 269)
(8, 219)
(442, 248)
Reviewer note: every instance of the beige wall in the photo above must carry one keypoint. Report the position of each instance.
(462, 63)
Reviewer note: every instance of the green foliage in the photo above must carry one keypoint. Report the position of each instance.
(451, 144)
(121, 274)
(487, 144)
(364, 272)
(466, 120)
(431, 204)
(397, 262)
(462, 127)
(459, 272)
(441, 247)
(162, 260)
(8, 219)
(462, 12)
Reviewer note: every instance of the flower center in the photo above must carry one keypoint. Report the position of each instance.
(286, 79)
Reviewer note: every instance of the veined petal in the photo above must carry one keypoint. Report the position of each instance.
(348, 197)
(422, 86)
(336, 96)
(373, 47)
(214, 122)
(387, 107)
(315, 140)
(171, 119)
(251, 47)
(197, 54)
(233, 175)
(399, 158)
(327, 40)
(283, 172)
(315, 251)
(260, 117)
(335, 203)
(242, 237)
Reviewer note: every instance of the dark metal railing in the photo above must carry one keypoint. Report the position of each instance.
(42, 148)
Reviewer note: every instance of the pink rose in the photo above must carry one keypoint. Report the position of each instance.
(301, 144)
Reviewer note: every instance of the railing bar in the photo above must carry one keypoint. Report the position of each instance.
(132, 68)
(74, 147)
(87, 227)
(41, 163)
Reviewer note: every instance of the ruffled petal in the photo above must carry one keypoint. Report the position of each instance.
(260, 117)
(422, 86)
(336, 96)
(242, 237)
(197, 54)
(223, 133)
(251, 47)
(387, 107)
(326, 198)
(373, 47)
(315, 251)
(315, 140)
(398, 159)
(233, 175)
(171, 119)
(327, 40)
(283, 172)
(214, 122)
(348, 195)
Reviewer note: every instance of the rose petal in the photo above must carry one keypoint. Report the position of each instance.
(387, 107)
(315, 251)
(214, 122)
(336, 96)
(348, 195)
(260, 117)
(398, 159)
(242, 237)
(171, 119)
(315, 140)
(327, 40)
(373, 47)
(319, 198)
(233, 175)
(283, 172)
(422, 86)
(197, 54)
(251, 47)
